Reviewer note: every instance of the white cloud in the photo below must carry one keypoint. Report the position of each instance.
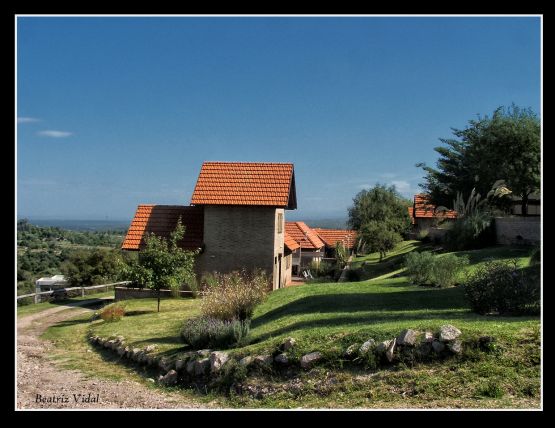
(54, 134)
(27, 119)
(402, 186)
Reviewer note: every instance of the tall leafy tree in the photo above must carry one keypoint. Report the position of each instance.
(162, 264)
(505, 146)
(380, 215)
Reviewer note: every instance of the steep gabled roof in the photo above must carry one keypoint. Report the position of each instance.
(246, 183)
(303, 235)
(332, 236)
(162, 220)
(289, 242)
(424, 209)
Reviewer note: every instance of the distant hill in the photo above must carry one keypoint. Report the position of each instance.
(326, 223)
(84, 225)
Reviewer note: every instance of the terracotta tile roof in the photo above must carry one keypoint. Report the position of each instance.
(289, 242)
(332, 236)
(161, 220)
(303, 235)
(411, 214)
(246, 183)
(424, 209)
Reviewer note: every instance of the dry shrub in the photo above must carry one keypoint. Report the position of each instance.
(113, 312)
(234, 296)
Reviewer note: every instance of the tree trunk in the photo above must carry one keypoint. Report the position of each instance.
(524, 206)
(158, 300)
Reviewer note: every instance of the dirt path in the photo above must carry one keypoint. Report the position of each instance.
(60, 388)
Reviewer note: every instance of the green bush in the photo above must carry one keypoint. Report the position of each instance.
(235, 295)
(423, 235)
(501, 287)
(445, 269)
(322, 268)
(231, 374)
(206, 332)
(419, 267)
(470, 232)
(113, 312)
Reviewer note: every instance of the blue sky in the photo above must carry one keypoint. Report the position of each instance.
(117, 111)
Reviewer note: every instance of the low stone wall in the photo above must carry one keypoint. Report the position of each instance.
(518, 230)
(124, 293)
(436, 234)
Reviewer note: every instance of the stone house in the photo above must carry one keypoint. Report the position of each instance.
(236, 219)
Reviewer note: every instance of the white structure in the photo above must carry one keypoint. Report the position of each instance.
(53, 283)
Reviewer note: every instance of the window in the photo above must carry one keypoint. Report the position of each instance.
(280, 223)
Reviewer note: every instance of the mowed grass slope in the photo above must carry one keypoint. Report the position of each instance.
(329, 317)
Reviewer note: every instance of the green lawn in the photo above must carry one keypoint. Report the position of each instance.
(329, 317)
(39, 307)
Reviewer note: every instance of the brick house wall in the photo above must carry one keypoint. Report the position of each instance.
(237, 237)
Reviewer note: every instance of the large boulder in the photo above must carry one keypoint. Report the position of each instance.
(352, 350)
(367, 346)
(217, 360)
(246, 361)
(407, 337)
(201, 366)
(170, 378)
(428, 337)
(455, 346)
(166, 364)
(448, 333)
(309, 360)
(288, 344)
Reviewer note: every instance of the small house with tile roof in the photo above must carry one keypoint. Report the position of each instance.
(236, 219)
(331, 237)
(309, 245)
(425, 215)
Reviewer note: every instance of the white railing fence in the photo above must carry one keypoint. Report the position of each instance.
(83, 290)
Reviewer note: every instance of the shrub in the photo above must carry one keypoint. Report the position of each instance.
(470, 232)
(445, 269)
(235, 295)
(113, 312)
(322, 268)
(419, 267)
(205, 332)
(501, 287)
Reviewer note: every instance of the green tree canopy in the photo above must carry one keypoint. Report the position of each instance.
(505, 146)
(381, 204)
(162, 264)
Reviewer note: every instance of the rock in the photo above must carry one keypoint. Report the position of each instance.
(246, 361)
(281, 359)
(309, 360)
(428, 337)
(382, 346)
(448, 332)
(486, 343)
(438, 346)
(111, 344)
(455, 346)
(166, 364)
(425, 348)
(150, 379)
(288, 344)
(263, 360)
(366, 346)
(190, 367)
(151, 360)
(121, 351)
(141, 357)
(217, 360)
(390, 350)
(119, 339)
(179, 364)
(352, 350)
(201, 366)
(407, 337)
(100, 341)
(170, 378)
(203, 353)
(150, 348)
(134, 353)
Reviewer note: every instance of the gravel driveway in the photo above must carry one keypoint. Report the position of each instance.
(43, 384)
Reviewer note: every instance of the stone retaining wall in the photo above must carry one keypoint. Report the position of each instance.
(518, 230)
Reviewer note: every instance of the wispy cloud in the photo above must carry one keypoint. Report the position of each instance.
(27, 120)
(54, 134)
